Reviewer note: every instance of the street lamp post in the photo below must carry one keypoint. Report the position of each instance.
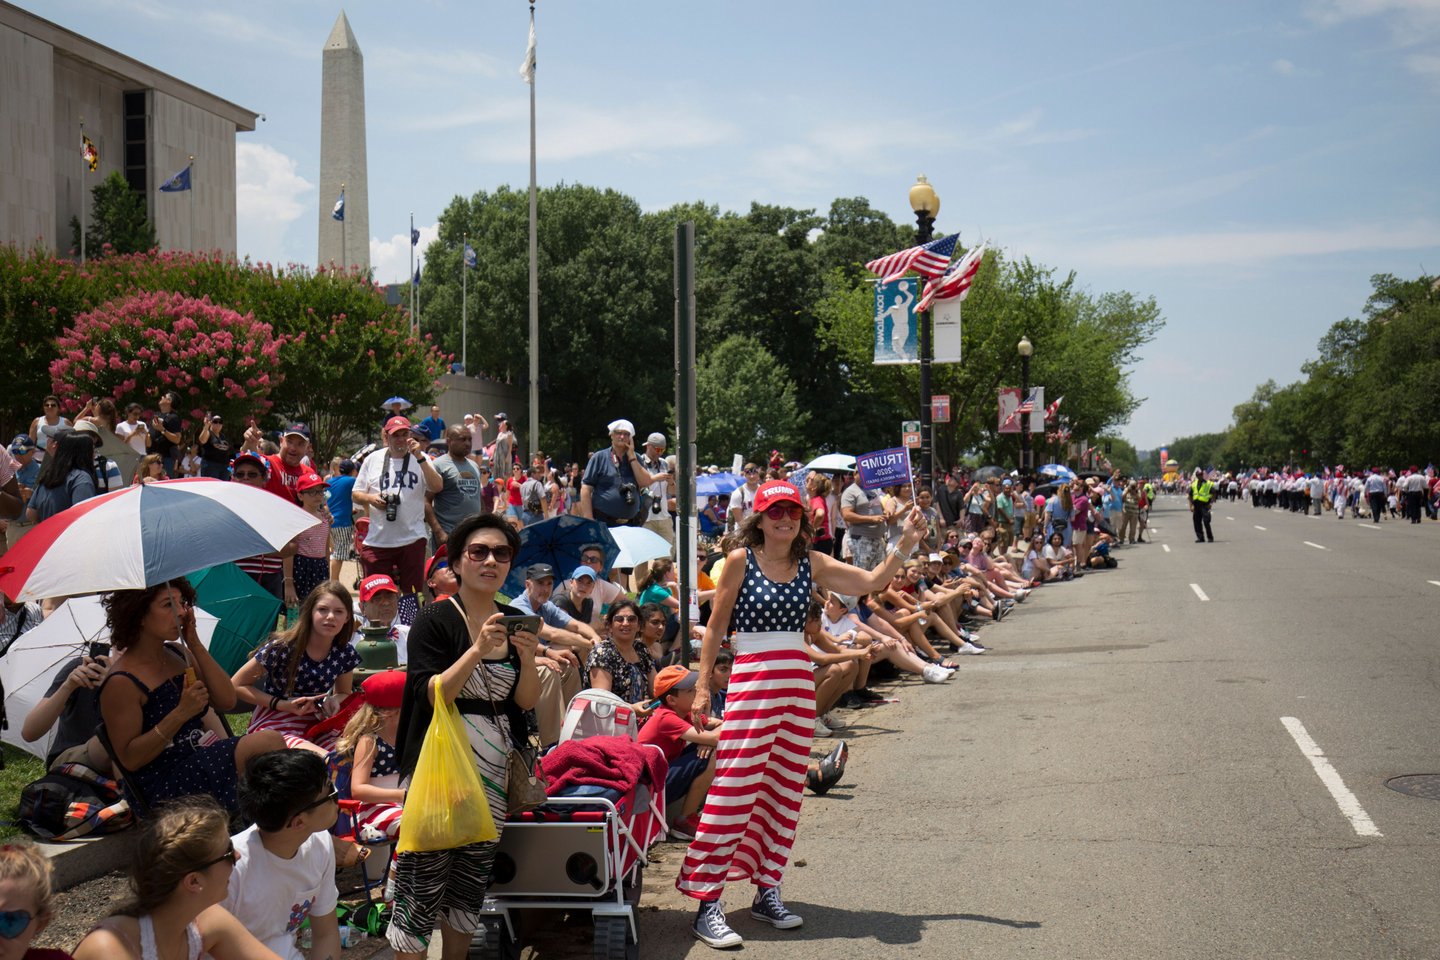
(926, 205)
(1025, 349)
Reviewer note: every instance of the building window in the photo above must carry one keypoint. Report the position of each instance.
(137, 165)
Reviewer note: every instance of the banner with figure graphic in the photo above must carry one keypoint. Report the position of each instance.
(897, 334)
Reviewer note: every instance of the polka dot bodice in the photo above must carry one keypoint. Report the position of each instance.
(385, 762)
(765, 606)
(312, 677)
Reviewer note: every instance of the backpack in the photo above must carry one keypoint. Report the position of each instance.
(532, 491)
(73, 801)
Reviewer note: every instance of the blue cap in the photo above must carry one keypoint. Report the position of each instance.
(582, 571)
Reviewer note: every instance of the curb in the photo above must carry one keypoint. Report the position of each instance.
(77, 861)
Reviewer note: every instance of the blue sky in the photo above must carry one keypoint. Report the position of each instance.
(1248, 164)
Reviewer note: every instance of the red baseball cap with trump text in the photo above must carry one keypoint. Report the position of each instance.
(776, 491)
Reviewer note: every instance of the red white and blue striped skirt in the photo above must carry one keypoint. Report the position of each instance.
(753, 808)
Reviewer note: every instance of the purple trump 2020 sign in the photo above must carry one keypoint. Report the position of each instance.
(883, 468)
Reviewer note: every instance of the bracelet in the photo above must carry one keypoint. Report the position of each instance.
(273, 702)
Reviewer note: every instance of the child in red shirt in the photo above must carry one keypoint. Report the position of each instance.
(688, 751)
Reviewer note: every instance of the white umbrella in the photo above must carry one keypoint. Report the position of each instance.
(638, 545)
(832, 463)
(28, 668)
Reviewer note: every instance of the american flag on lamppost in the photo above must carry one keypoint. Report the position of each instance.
(1050, 410)
(927, 259)
(1026, 406)
(955, 281)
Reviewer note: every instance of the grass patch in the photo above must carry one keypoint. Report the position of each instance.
(20, 768)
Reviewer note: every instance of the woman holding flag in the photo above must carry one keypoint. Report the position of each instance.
(752, 810)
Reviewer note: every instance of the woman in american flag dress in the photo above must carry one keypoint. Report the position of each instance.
(753, 807)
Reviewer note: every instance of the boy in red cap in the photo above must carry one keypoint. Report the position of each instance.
(687, 750)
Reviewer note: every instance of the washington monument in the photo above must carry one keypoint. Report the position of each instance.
(345, 242)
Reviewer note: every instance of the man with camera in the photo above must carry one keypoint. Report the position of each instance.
(392, 484)
(611, 486)
(165, 436)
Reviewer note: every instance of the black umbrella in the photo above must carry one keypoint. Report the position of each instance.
(985, 474)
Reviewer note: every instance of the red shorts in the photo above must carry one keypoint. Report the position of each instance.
(405, 565)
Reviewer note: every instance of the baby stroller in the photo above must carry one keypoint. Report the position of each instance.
(585, 849)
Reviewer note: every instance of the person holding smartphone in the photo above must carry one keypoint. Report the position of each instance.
(487, 669)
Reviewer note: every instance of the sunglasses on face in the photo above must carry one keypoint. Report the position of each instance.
(331, 795)
(625, 619)
(14, 922)
(785, 511)
(480, 552)
(229, 856)
(247, 474)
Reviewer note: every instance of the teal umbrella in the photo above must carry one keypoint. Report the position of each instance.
(247, 612)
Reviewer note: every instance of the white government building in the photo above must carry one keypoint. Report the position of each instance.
(145, 124)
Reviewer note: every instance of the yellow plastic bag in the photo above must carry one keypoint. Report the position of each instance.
(445, 806)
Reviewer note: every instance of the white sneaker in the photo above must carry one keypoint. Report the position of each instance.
(968, 647)
(832, 721)
(821, 729)
(935, 674)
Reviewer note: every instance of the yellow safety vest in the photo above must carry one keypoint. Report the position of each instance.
(1201, 492)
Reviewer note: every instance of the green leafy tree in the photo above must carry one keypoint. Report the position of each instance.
(118, 222)
(745, 403)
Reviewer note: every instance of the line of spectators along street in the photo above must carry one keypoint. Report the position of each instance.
(163, 730)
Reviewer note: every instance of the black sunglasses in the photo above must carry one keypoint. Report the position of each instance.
(229, 856)
(480, 552)
(331, 795)
(14, 922)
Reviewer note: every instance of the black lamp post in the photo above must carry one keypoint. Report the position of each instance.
(926, 205)
(1025, 349)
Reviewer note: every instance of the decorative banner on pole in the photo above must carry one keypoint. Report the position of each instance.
(910, 433)
(940, 408)
(897, 336)
(1009, 399)
(883, 468)
(945, 330)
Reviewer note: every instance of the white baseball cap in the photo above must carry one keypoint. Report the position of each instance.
(625, 425)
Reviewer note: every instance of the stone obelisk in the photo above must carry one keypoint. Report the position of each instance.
(342, 152)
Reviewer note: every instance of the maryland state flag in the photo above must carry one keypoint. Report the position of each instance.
(88, 151)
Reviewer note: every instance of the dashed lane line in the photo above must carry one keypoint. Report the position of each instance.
(1315, 545)
(1347, 802)
(1258, 527)
(1198, 592)
(1166, 548)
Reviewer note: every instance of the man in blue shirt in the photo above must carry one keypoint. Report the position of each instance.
(433, 425)
(1375, 490)
(614, 479)
(565, 645)
(342, 517)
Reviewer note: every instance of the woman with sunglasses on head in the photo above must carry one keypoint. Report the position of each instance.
(619, 662)
(763, 594)
(180, 872)
(161, 700)
(489, 674)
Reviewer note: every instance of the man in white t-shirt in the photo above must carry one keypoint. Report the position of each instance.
(132, 431)
(285, 864)
(742, 498)
(391, 484)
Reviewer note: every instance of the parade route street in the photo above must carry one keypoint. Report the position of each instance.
(1115, 779)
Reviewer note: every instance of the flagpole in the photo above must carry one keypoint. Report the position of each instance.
(82, 191)
(464, 295)
(191, 191)
(410, 277)
(534, 277)
(344, 258)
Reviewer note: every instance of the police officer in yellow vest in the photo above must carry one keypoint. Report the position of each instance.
(1202, 494)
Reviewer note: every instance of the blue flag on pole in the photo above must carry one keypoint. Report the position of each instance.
(178, 183)
(414, 237)
(469, 256)
(339, 212)
(415, 280)
(883, 468)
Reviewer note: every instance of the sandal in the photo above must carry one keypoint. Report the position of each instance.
(946, 664)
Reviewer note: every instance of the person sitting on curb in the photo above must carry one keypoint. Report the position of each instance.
(285, 871)
(688, 751)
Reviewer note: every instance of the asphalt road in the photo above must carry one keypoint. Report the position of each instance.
(1117, 777)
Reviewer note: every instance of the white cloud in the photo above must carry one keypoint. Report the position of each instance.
(390, 259)
(569, 132)
(1283, 67)
(1412, 24)
(269, 196)
(1245, 247)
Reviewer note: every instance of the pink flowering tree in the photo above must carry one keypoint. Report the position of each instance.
(217, 359)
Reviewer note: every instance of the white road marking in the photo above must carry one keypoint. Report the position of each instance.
(1166, 548)
(1315, 545)
(1368, 525)
(1229, 518)
(1198, 592)
(1258, 527)
(1344, 799)
(1436, 582)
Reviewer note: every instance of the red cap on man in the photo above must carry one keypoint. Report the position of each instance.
(377, 583)
(396, 423)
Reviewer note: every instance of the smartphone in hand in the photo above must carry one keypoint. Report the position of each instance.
(514, 624)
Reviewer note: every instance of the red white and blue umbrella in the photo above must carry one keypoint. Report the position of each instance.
(147, 534)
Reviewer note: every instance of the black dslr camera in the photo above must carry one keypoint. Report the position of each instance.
(392, 506)
(627, 493)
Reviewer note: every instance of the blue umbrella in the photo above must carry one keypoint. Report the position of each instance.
(717, 484)
(386, 404)
(1057, 470)
(558, 542)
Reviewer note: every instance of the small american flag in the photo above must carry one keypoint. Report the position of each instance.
(1050, 410)
(954, 282)
(928, 260)
(1026, 406)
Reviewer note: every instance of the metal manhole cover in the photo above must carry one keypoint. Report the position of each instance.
(1425, 785)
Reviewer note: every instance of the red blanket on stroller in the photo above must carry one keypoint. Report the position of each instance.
(614, 762)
